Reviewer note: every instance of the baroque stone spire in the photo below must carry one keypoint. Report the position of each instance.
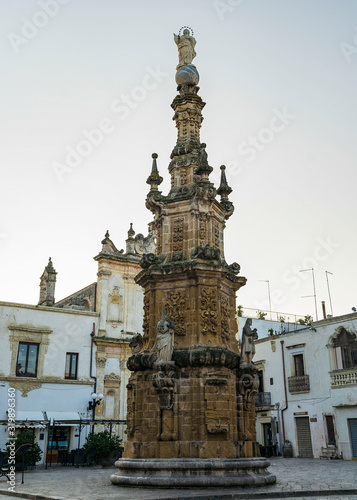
(183, 395)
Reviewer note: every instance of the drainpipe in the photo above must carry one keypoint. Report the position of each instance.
(92, 334)
(285, 391)
(91, 363)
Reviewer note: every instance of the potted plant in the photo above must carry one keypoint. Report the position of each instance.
(261, 314)
(32, 456)
(102, 448)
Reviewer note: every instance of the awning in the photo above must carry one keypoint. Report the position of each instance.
(63, 417)
(30, 419)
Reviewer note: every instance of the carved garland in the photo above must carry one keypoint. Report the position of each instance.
(225, 315)
(130, 415)
(209, 310)
(25, 386)
(158, 228)
(146, 318)
(175, 308)
(177, 235)
(183, 177)
(216, 235)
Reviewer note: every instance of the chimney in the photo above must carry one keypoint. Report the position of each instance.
(323, 309)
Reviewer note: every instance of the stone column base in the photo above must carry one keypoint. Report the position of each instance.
(182, 472)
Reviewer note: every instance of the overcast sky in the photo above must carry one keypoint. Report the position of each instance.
(279, 79)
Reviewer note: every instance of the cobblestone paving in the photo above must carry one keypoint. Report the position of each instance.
(294, 476)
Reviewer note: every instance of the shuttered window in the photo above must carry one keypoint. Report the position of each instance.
(353, 434)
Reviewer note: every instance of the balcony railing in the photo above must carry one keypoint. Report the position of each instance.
(341, 378)
(263, 399)
(299, 384)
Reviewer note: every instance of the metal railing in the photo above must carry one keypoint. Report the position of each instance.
(299, 384)
(263, 399)
(289, 318)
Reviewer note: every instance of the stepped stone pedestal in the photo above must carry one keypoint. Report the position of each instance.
(185, 472)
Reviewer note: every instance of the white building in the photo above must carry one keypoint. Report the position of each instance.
(308, 389)
(46, 358)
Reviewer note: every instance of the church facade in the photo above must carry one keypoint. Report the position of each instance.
(56, 354)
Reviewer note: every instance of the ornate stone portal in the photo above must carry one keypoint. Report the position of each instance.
(191, 418)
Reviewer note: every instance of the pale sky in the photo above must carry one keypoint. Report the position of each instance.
(279, 79)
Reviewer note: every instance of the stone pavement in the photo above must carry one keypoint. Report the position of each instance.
(297, 478)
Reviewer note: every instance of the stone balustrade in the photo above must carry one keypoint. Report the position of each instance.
(341, 378)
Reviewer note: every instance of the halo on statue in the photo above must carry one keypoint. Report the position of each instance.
(186, 28)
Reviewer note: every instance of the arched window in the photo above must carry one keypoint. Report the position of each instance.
(345, 349)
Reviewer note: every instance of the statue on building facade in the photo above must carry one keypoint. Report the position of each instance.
(165, 338)
(186, 47)
(248, 337)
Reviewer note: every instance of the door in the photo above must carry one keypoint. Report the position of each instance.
(268, 438)
(331, 439)
(353, 433)
(303, 437)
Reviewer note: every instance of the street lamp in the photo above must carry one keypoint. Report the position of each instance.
(96, 400)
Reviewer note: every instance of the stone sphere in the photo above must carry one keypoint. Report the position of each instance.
(187, 75)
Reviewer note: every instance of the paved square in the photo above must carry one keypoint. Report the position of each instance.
(328, 478)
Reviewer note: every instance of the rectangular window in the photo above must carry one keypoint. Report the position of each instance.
(71, 365)
(299, 365)
(27, 357)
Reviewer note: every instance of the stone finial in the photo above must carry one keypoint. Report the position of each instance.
(47, 285)
(224, 190)
(108, 245)
(106, 238)
(131, 231)
(130, 242)
(154, 178)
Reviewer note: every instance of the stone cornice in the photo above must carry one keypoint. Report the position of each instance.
(122, 258)
(109, 341)
(194, 268)
(52, 309)
(265, 339)
(46, 380)
(29, 329)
